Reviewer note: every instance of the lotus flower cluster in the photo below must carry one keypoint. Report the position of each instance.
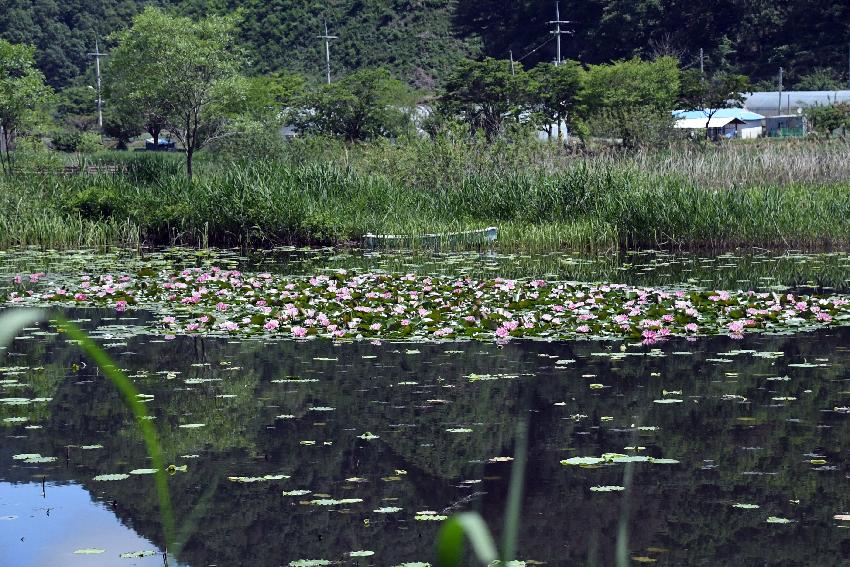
(349, 305)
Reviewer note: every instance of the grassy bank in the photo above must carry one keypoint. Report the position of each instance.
(541, 199)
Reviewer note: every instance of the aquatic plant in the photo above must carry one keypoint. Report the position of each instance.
(351, 305)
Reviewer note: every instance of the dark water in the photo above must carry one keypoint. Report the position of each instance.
(740, 436)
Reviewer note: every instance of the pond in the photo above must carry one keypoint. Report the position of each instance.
(708, 450)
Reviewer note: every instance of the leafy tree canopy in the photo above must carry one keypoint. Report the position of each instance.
(22, 93)
(633, 83)
(484, 93)
(366, 104)
(420, 40)
(180, 74)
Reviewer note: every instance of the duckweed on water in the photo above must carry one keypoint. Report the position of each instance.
(347, 305)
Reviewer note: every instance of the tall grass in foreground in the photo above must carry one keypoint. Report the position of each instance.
(541, 200)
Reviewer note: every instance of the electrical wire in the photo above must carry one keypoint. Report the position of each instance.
(535, 49)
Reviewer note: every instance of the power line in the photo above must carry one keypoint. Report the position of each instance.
(535, 49)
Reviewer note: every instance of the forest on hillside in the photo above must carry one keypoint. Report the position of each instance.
(419, 40)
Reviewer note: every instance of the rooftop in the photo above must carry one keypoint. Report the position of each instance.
(739, 113)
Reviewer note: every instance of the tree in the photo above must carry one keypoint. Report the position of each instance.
(181, 74)
(633, 83)
(267, 96)
(827, 119)
(122, 127)
(820, 79)
(204, 83)
(632, 100)
(76, 108)
(555, 93)
(134, 86)
(22, 94)
(710, 94)
(366, 104)
(484, 94)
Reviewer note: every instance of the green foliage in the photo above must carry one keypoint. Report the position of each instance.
(76, 108)
(74, 141)
(367, 104)
(820, 79)
(22, 94)
(324, 191)
(633, 83)
(421, 40)
(827, 119)
(554, 93)
(710, 94)
(483, 94)
(720, 90)
(638, 127)
(31, 153)
(266, 96)
(122, 127)
(134, 88)
(65, 140)
(250, 140)
(89, 143)
(179, 74)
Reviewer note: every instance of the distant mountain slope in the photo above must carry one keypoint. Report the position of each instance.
(420, 39)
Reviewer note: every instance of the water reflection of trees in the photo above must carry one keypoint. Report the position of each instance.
(684, 508)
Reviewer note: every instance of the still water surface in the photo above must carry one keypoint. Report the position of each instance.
(754, 437)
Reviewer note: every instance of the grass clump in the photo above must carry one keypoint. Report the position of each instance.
(322, 192)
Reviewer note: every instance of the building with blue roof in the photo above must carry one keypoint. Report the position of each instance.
(722, 122)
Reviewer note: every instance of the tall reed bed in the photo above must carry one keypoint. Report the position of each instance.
(541, 199)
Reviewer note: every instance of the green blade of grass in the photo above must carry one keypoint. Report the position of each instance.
(129, 393)
(450, 541)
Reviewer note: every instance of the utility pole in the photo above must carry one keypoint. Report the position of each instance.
(511, 53)
(327, 39)
(779, 108)
(701, 62)
(557, 31)
(97, 55)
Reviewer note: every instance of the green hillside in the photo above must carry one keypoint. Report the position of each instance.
(419, 39)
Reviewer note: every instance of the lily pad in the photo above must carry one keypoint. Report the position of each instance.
(109, 477)
(137, 554)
